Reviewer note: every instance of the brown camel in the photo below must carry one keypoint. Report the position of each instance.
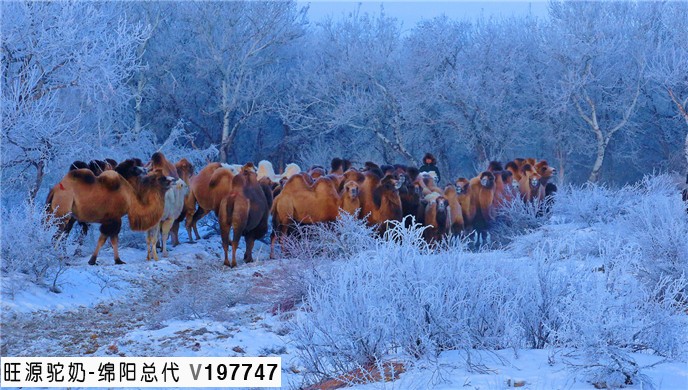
(246, 211)
(158, 161)
(107, 198)
(436, 217)
(455, 214)
(386, 203)
(208, 198)
(350, 201)
(301, 202)
(529, 183)
(481, 210)
(186, 171)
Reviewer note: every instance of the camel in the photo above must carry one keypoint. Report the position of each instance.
(435, 216)
(245, 210)
(78, 165)
(105, 199)
(265, 170)
(316, 172)
(495, 166)
(207, 196)
(506, 188)
(386, 203)
(481, 211)
(427, 183)
(546, 173)
(410, 194)
(174, 205)
(349, 198)
(158, 161)
(97, 167)
(100, 166)
(301, 202)
(452, 196)
(337, 166)
(529, 183)
(515, 169)
(463, 195)
(290, 170)
(186, 171)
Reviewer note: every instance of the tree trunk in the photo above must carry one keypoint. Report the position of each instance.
(561, 157)
(597, 167)
(224, 144)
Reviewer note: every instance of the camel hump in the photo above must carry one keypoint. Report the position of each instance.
(83, 175)
(296, 182)
(110, 180)
(219, 175)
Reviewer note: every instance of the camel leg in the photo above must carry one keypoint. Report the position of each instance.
(153, 235)
(111, 229)
(224, 234)
(114, 240)
(101, 241)
(235, 245)
(149, 240)
(248, 254)
(166, 227)
(174, 230)
(192, 221)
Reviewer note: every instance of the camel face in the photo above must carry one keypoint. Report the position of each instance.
(487, 179)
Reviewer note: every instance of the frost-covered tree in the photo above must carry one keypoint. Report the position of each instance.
(236, 51)
(64, 86)
(669, 66)
(601, 50)
(349, 88)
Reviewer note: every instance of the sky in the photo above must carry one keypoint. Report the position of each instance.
(411, 12)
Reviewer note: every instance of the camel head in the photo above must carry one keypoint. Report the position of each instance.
(487, 179)
(130, 168)
(544, 170)
(495, 166)
(462, 186)
(184, 168)
(352, 189)
(533, 177)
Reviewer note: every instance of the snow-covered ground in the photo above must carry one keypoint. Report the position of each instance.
(189, 304)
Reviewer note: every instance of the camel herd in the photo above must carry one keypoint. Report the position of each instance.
(159, 195)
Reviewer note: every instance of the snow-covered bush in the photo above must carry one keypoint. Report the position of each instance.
(603, 287)
(593, 203)
(343, 238)
(658, 227)
(29, 247)
(515, 218)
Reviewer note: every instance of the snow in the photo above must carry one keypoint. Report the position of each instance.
(136, 310)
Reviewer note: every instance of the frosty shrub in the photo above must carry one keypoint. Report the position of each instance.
(28, 245)
(603, 287)
(609, 313)
(400, 298)
(343, 238)
(658, 227)
(593, 203)
(515, 218)
(191, 296)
